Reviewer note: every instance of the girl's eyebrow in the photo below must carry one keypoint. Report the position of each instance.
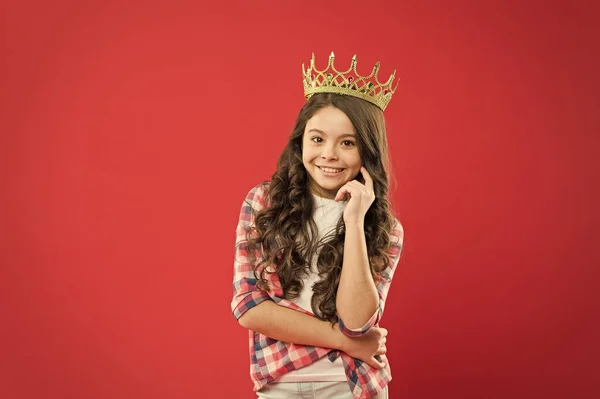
(325, 134)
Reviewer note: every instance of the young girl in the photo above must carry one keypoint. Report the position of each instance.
(317, 247)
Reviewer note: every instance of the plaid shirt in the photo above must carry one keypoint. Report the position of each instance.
(270, 358)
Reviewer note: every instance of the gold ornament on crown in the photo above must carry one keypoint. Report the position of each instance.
(349, 82)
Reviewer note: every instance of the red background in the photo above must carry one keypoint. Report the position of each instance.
(131, 131)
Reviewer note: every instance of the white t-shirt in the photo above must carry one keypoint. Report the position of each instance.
(326, 215)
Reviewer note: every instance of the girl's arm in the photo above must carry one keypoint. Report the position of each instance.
(360, 300)
(289, 325)
(351, 291)
(357, 300)
(292, 326)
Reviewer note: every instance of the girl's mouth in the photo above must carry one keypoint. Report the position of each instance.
(330, 171)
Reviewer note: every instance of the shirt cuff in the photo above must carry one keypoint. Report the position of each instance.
(357, 332)
(248, 301)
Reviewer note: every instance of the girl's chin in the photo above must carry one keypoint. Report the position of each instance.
(326, 190)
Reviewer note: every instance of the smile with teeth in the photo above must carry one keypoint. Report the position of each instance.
(330, 170)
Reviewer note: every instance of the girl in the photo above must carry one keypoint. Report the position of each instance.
(317, 248)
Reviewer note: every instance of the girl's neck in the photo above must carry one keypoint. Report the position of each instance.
(319, 192)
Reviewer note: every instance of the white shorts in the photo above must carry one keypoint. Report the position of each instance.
(310, 390)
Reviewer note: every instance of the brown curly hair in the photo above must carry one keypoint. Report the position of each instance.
(285, 230)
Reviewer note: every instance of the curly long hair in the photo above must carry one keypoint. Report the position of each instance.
(285, 229)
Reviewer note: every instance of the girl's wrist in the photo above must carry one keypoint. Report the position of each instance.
(342, 340)
(355, 223)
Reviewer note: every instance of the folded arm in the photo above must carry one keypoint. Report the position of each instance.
(292, 326)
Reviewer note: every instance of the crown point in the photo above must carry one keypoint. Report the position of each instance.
(332, 55)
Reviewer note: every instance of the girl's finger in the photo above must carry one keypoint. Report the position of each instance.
(347, 188)
(375, 362)
(382, 350)
(342, 192)
(359, 187)
(368, 178)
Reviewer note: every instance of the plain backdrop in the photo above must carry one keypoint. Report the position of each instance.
(130, 132)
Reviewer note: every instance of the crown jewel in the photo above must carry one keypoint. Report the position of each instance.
(349, 82)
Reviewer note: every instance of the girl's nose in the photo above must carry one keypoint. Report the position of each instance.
(329, 152)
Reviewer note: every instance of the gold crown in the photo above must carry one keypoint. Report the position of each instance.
(349, 82)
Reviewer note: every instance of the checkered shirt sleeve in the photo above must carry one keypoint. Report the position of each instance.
(382, 284)
(246, 294)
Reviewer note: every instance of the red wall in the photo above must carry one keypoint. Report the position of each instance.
(131, 131)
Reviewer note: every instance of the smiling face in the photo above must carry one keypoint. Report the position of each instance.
(329, 151)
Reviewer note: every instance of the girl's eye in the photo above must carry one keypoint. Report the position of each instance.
(317, 139)
(348, 143)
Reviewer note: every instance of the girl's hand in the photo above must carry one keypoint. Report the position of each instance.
(361, 198)
(367, 346)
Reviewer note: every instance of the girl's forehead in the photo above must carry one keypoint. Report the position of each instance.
(330, 121)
